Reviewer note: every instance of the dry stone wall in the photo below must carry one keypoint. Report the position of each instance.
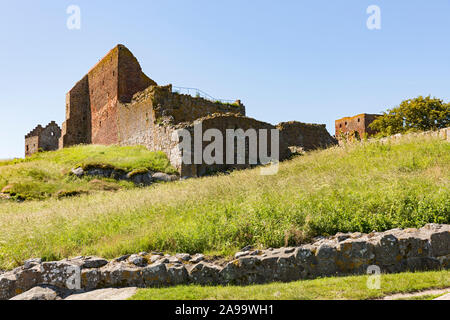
(443, 134)
(392, 251)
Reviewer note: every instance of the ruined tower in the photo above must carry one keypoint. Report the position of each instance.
(91, 105)
(45, 139)
(357, 126)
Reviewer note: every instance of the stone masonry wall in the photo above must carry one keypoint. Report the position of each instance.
(45, 139)
(103, 97)
(116, 103)
(359, 123)
(154, 114)
(77, 127)
(32, 141)
(392, 251)
(49, 137)
(305, 135)
(166, 139)
(178, 108)
(31, 145)
(91, 106)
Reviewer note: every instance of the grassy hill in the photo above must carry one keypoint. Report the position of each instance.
(46, 174)
(361, 187)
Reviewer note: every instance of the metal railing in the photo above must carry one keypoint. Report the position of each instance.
(194, 92)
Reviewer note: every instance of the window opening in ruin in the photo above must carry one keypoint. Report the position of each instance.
(52, 133)
(359, 119)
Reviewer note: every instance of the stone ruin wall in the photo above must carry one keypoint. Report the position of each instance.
(91, 105)
(31, 145)
(305, 135)
(156, 113)
(49, 137)
(178, 108)
(42, 138)
(359, 124)
(392, 251)
(221, 122)
(116, 103)
(77, 127)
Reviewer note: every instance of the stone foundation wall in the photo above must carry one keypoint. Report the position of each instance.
(392, 251)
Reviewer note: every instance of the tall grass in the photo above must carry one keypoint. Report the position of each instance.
(45, 174)
(355, 188)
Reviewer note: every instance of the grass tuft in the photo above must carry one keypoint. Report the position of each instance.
(46, 174)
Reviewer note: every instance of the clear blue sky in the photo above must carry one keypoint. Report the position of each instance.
(311, 61)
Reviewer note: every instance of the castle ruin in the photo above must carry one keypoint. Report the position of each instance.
(40, 138)
(116, 103)
(355, 127)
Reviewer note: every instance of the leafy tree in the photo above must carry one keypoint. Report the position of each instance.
(419, 114)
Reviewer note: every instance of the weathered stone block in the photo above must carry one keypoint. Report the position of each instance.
(387, 251)
(155, 275)
(204, 274)
(326, 256)
(354, 256)
(177, 274)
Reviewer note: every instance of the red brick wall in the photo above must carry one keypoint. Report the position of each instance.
(359, 123)
(77, 127)
(131, 77)
(103, 90)
(92, 105)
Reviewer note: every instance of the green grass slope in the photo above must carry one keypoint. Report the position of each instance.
(46, 174)
(360, 187)
(337, 288)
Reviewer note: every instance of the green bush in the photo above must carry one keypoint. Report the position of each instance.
(419, 114)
